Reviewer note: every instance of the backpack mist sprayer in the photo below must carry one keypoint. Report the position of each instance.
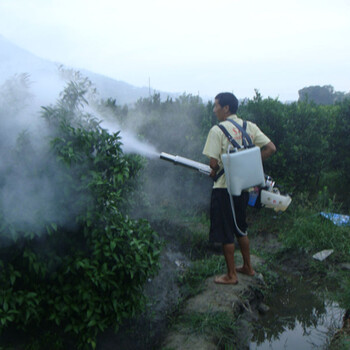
(243, 170)
(266, 195)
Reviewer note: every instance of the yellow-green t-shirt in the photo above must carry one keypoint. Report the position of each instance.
(217, 143)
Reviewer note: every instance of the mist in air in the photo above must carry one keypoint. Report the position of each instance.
(130, 142)
(29, 196)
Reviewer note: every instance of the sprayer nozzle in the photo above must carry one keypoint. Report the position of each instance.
(167, 156)
(203, 168)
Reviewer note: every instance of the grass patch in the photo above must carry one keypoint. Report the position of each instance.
(196, 244)
(342, 293)
(340, 341)
(192, 280)
(311, 232)
(266, 220)
(302, 227)
(271, 278)
(220, 326)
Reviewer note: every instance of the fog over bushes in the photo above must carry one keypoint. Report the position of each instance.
(71, 258)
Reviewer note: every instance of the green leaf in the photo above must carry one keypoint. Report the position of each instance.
(5, 306)
(92, 323)
(89, 313)
(12, 279)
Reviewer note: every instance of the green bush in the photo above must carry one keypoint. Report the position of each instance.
(340, 143)
(301, 132)
(76, 271)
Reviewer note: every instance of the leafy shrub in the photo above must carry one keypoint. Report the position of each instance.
(72, 272)
(340, 143)
(301, 132)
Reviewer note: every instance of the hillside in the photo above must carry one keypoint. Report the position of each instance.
(45, 80)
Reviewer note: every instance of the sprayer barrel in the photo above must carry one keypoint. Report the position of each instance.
(167, 156)
(177, 160)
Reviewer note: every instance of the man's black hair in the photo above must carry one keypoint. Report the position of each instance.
(228, 99)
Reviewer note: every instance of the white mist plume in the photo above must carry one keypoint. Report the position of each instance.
(130, 143)
(28, 195)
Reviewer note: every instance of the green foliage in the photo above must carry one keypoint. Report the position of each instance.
(196, 243)
(340, 143)
(309, 231)
(342, 342)
(272, 280)
(342, 295)
(81, 269)
(302, 133)
(270, 116)
(192, 279)
(221, 326)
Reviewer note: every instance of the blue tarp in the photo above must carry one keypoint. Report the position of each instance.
(337, 219)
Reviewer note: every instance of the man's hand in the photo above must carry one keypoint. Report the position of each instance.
(212, 173)
(214, 165)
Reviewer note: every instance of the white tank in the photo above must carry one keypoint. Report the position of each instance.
(243, 169)
(275, 200)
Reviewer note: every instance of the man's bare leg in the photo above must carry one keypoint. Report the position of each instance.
(231, 276)
(247, 268)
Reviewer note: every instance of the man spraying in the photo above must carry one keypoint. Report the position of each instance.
(222, 226)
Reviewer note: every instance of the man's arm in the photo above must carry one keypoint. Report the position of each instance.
(267, 151)
(214, 165)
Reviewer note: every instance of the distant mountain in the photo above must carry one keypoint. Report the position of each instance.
(45, 78)
(120, 90)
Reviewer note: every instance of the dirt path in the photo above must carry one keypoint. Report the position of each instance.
(232, 300)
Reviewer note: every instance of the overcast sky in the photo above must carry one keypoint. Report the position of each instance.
(193, 46)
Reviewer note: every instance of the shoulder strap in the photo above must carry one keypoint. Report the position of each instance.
(245, 137)
(233, 142)
(245, 128)
(221, 172)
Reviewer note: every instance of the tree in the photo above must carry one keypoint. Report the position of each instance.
(81, 268)
(321, 95)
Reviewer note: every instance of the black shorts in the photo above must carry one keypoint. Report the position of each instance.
(222, 227)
